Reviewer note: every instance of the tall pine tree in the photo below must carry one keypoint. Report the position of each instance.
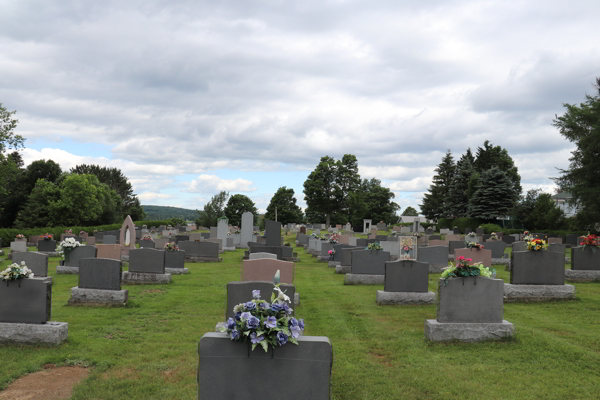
(434, 201)
(457, 201)
(494, 196)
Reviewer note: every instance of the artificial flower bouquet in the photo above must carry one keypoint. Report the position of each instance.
(374, 246)
(171, 247)
(67, 245)
(473, 245)
(590, 240)
(265, 324)
(463, 268)
(16, 271)
(537, 245)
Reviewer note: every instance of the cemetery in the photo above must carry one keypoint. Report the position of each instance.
(394, 285)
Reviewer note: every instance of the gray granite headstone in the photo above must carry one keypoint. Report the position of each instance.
(200, 249)
(100, 273)
(455, 244)
(347, 255)
(181, 238)
(26, 300)
(537, 268)
(406, 276)
(581, 259)
(273, 232)
(433, 255)
(72, 260)
(557, 247)
(338, 251)
(36, 262)
(109, 239)
(147, 244)
(213, 232)
(147, 261)
(47, 245)
(370, 262)
(497, 247)
(474, 299)
(175, 259)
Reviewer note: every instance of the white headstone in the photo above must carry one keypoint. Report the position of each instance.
(247, 225)
(222, 229)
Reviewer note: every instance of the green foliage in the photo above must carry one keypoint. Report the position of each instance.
(434, 201)
(490, 156)
(72, 200)
(494, 196)
(165, 212)
(320, 191)
(287, 210)
(213, 210)
(546, 215)
(489, 228)
(581, 126)
(410, 212)
(374, 201)
(457, 201)
(8, 139)
(236, 206)
(464, 223)
(114, 178)
(175, 221)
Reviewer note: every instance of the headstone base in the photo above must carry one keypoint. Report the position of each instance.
(525, 293)
(51, 333)
(404, 298)
(142, 278)
(343, 269)
(364, 279)
(296, 298)
(580, 275)
(98, 297)
(501, 261)
(202, 259)
(61, 269)
(290, 259)
(176, 271)
(323, 258)
(228, 248)
(333, 264)
(467, 332)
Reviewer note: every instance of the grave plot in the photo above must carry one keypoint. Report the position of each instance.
(537, 276)
(26, 309)
(146, 266)
(368, 267)
(70, 265)
(99, 283)
(175, 261)
(585, 264)
(469, 309)
(406, 282)
(200, 251)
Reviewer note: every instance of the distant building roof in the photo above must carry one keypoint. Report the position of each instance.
(562, 195)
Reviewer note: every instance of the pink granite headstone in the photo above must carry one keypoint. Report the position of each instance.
(438, 243)
(264, 269)
(344, 239)
(555, 240)
(483, 256)
(112, 251)
(452, 238)
(91, 240)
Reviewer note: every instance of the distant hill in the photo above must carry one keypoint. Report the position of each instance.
(159, 213)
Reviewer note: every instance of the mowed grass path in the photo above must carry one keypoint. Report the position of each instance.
(148, 349)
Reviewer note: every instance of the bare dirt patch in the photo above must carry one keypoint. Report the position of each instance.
(49, 384)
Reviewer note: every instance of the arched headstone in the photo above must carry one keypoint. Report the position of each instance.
(127, 235)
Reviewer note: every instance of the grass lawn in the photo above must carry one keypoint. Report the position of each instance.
(148, 349)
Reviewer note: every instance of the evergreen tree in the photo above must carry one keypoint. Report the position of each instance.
(457, 201)
(490, 156)
(236, 206)
(410, 212)
(494, 196)
(213, 210)
(546, 214)
(433, 206)
(581, 126)
(287, 211)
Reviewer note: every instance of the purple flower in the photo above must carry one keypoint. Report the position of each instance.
(287, 308)
(245, 316)
(230, 324)
(295, 331)
(282, 338)
(301, 323)
(250, 306)
(238, 315)
(234, 334)
(263, 306)
(271, 322)
(276, 307)
(253, 322)
(293, 322)
(256, 294)
(256, 339)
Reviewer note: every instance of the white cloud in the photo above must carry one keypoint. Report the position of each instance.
(150, 196)
(213, 184)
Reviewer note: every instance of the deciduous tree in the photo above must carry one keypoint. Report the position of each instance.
(236, 206)
(287, 210)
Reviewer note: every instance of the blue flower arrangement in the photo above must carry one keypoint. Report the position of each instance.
(265, 324)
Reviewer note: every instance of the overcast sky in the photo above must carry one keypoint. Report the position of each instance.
(191, 97)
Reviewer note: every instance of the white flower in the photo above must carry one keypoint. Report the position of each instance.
(282, 296)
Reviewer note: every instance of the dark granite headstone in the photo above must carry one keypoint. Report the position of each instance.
(200, 249)
(347, 255)
(433, 255)
(338, 250)
(147, 261)
(47, 245)
(435, 237)
(205, 235)
(147, 244)
(370, 262)
(480, 231)
(72, 260)
(508, 239)
(99, 237)
(573, 240)
(537, 268)
(175, 259)
(27, 300)
(100, 273)
(36, 262)
(581, 258)
(381, 238)
(182, 238)
(406, 276)
(302, 239)
(273, 232)
(557, 247)
(497, 247)
(473, 299)
(220, 359)
(455, 244)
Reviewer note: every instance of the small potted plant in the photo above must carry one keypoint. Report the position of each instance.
(66, 247)
(464, 269)
(374, 246)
